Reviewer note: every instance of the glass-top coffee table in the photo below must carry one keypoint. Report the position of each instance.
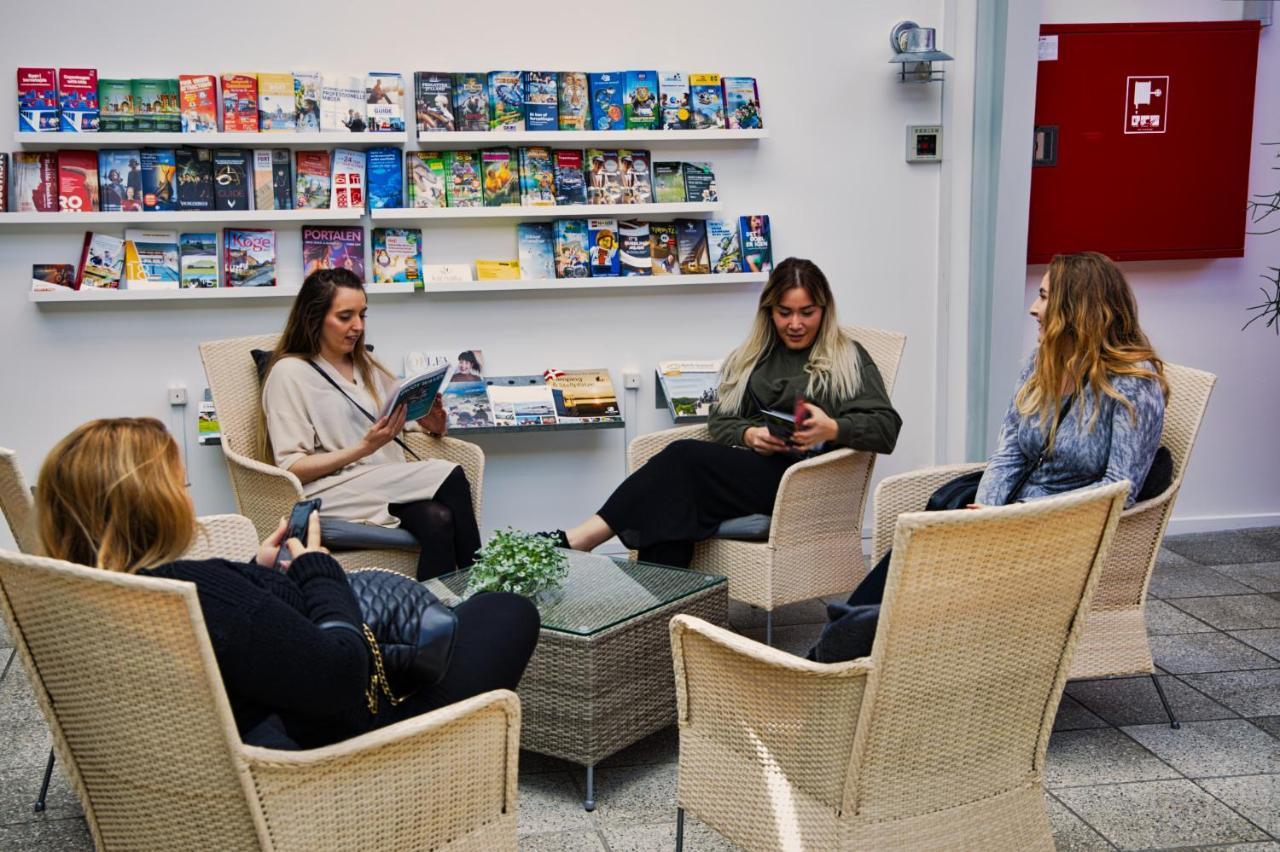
(601, 677)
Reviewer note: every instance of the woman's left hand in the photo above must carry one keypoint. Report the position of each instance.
(817, 428)
(434, 422)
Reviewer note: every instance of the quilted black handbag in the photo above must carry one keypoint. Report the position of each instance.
(415, 632)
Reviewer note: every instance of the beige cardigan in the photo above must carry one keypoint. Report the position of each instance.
(305, 414)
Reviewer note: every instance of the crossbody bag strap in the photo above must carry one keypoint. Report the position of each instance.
(1045, 452)
(328, 378)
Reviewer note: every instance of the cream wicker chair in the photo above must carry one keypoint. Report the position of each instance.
(935, 741)
(16, 503)
(124, 672)
(1114, 641)
(264, 493)
(815, 535)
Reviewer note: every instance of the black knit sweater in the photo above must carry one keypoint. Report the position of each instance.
(273, 657)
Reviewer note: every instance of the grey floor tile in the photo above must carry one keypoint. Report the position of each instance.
(1070, 833)
(1261, 576)
(793, 638)
(5, 641)
(1230, 547)
(636, 794)
(1267, 641)
(1270, 724)
(698, 837)
(1192, 581)
(563, 841)
(1166, 620)
(63, 835)
(742, 616)
(1166, 558)
(1266, 536)
(1208, 749)
(1265, 846)
(1158, 814)
(1206, 652)
(1253, 693)
(18, 791)
(1074, 716)
(24, 746)
(1233, 612)
(660, 747)
(550, 802)
(1133, 700)
(1102, 756)
(1255, 797)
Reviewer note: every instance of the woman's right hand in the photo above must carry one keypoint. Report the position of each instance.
(270, 546)
(384, 431)
(760, 439)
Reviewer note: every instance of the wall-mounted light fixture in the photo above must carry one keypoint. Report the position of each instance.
(914, 49)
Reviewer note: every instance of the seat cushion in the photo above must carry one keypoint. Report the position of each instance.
(336, 534)
(746, 528)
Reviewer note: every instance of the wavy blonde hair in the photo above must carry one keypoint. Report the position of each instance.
(112, 495)
(1089, 334)
(833, 360)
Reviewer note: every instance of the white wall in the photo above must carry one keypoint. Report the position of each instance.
(832, 177)
(1193, 310)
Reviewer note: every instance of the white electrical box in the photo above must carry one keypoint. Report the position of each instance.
(924, 143)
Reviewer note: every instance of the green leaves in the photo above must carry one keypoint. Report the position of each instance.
(520, 562)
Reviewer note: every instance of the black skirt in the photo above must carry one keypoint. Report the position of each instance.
(683, 493)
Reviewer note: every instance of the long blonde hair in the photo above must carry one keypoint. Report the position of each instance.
(1089, 333)
(833, 360)
(303, 330)
(112, 495)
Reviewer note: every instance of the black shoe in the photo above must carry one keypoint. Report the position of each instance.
(561, 539)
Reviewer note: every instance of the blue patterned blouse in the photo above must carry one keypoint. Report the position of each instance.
(1119, 446)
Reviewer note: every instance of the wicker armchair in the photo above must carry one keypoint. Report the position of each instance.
(938, 739)
(1114, 641)
(123, 670)
(16, 503)
(814, 546)
(264, 493)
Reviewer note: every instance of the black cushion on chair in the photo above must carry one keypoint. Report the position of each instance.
(746, 528)
(261, 358)
(1159, 477)
(849, 635)
(337, 534)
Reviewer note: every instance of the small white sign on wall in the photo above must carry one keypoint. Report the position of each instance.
(1048, 48)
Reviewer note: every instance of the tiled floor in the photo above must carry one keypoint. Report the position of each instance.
(1118, 776)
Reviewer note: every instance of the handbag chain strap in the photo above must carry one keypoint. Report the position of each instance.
(328, 378)
(378, 678)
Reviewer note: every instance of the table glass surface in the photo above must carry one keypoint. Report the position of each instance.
(598, 592)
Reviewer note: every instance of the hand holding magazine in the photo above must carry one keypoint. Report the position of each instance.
(418, 392)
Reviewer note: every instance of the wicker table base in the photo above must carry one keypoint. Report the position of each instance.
(584, 698)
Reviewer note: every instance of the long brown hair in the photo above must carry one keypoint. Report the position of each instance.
(112, 495)
(1089, 334)
(833, 361)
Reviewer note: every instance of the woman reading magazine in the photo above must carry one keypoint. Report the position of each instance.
(318, 374)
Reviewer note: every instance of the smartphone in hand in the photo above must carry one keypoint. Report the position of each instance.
(298, 520)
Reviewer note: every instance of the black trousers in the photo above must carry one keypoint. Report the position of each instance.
(684, 492)
(445, 527)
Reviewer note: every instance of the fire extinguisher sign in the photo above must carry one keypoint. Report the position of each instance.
(1146, 105)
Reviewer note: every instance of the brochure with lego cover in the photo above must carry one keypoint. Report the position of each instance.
(604, 177)
(691, 247)
(706, 102)
(428, 175)
(312, 185)
(397, 256)
(249, 257)
(306, 100)
(606, 101)
(574, 104)
(541, 110)
(536, 243)
(471, 101)
(151, 260)
(198, 94)
(506, 101)
(673, 96)
(277, 104)
(572, 257)
(571, 187)
(333, 248)
(722, 243)
(521, 401)
(700, 183)
(433, 101)
(115, 106)
(38, 100)
(462, 186)
(101, 262)
(691, 387)
(386, 179)
(603, 234)
(342, 103)
(637, 182)
(757, 243)
(501, 177)
(668, 182)
(662, 248)
(239, 103)
(634, 247)
(537, 177)
(119, 179)
(198, 255)
(384, 102)
(418, 392)
(742, 103)
(583, 396)
(78, 180)
(641, 100)
(78, 100)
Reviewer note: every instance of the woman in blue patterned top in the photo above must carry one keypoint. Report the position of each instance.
(1090, 398)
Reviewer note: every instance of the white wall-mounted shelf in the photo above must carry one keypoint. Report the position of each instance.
(190, 295)
(636, 282)
(551, 211)
(161, 218)
(47, 141)
(581, 138)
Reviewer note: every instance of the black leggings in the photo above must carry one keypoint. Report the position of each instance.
(497, 632)
(445, 527)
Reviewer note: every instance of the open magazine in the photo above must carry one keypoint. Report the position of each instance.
(418, 391)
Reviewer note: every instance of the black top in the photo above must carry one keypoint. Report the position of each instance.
(273, 657)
